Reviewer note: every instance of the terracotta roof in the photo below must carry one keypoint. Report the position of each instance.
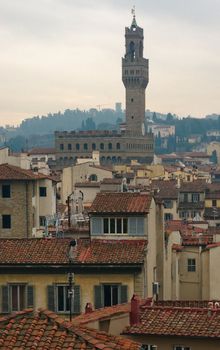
(111, 181)
(36, 151)
(55, 251)
(11, 172)
(178, 321)
(166, 189)
(102, 314)
(193, 186)
(43, 329)
(121, 202)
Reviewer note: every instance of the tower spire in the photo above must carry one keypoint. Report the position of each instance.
(134, 23)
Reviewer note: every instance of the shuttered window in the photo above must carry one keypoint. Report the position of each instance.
(110, 294)
(58, 299)
(16, 297)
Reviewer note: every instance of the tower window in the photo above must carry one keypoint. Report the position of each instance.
(102, 146)
(77, 146)
(118, 146)
(94, 146)
(61, 146)
(69, 146)
(85, 146)
(132, 100)
(110, 146)
(132, 117)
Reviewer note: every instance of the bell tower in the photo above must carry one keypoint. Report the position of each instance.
(135, 79)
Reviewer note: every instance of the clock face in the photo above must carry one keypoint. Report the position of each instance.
(143, 129)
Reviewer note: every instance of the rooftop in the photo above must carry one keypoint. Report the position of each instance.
(121, 202)
(43, 329)
(11, 172)
(184, 321)
(54, 251)
(36, 151)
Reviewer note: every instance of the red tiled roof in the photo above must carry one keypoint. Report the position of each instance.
(11, 172)
(111, 181)
(166, 189)
(43, 329)
(178, 321)
(121, 202)
(55, 251)
(103, 313)
(193, 186)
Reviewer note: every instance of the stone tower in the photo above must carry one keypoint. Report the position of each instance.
(135, 79)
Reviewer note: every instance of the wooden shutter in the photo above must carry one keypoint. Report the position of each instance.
(96, 226)
(98, 297)
(30, 296)
(5, 299)
(51, 298)
(124, 294)
(140, 226)
(76, 300)
(132, 226)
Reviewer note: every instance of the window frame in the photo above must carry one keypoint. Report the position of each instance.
(18, 285)
(107, 221)
(44, 193)
(191, 265)
(6, 194)
(4, 225)
(65, 287)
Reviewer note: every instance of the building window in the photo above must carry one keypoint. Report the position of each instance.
(110, 146)
(43, 191)
(85, 146)
(168, 216)
(118, 146)
(69, 146)
(61, 146)
(93, 177)
(58, 298)
(6, 221)
(185, 197)
(16, 297)
(149, 347)
(77, 146)
(195, 197)
(93, 146)
(6, 191)
(42, 221)
(115, 225)
(214, 202)
(101, 146)
(110, 294)
(168, 204)
(191, 264)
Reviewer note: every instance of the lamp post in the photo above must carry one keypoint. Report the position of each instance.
(70, 292)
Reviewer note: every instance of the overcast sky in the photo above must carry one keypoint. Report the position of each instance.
(59, 54)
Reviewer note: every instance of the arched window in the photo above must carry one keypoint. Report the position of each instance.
(102, 159)
(61, 146)
(108, 159)
(93, 146)
(69, 146)
(85, 146)
(101, 146)
(114, 160)
(119, 159)
(118, 146)
(77, 146)
(110, 145)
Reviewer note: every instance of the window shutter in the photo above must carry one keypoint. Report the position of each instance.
(76, 300)
(96, 226)
(132, 226)
(30, 296)
(5, 299)
(124, 294)
(51, 298)
(98, 297)
(140, 226)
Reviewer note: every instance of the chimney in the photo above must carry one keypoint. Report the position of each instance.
(135, 310)
(88, 308)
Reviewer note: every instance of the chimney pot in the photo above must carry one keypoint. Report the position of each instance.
(135, 310)
(88, 308)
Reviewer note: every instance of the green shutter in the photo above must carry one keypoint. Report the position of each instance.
(5, 299)
(98, 297)
(30, 296)
(124, 294)
(51, 298)
(76, 300)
